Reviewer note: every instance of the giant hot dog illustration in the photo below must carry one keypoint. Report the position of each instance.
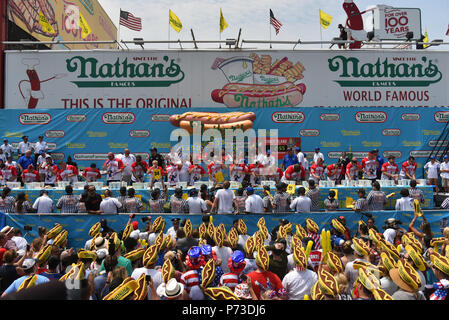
(213, 120)
(260, 83)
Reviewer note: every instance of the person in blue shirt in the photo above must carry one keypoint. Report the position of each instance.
(289, 159)
(26, 160)
(380, 160)
(29, 266)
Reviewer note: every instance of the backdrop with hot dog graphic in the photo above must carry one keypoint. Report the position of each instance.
(258, 82)
(216, 79)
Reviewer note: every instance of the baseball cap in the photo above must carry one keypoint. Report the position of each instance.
(268, 152)
(446, 156)
(4, 139)
(432, 157)
(249, 189)
(317, 148)
(238, 256)
(135, 225)
(298, 149)
(28, 263)
(176, 219)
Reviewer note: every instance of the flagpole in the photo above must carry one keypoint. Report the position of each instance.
(269, 26)
(168, 28)
(219, 31)
(321, 28)
(118, 36)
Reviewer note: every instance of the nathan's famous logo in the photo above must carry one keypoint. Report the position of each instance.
(410, 116)
(396, 154)
(76, 118)
(55, 133)
(139, 133)
(441, 116)
(330, 117)
(309, 132)
(391, 132)
(118, 117)
(371, 116)
(34, 118)
(122, 73)
(288, 117)
(384, 73)
(160, 117)
(337, 154)
(258, 82)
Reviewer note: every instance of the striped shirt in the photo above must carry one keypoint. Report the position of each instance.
(230, 280)
(122, 200)
(178, 205)
(132, 205)
(282, 202)
(361, 204)
(316, 238)
(240, 200)
(190, 279)
(82, 207)
(376, 200)
(7, 204)
(313, 195)
(68, 203)
(157, 206)
(416, 194)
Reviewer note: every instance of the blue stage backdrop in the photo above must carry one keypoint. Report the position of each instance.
(78, 225)
(87, 135)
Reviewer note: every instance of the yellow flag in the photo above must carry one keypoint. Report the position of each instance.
(325, 19)
(426, 38)
(46, 26)
(223, 24)
(174, 21)
(85, 29)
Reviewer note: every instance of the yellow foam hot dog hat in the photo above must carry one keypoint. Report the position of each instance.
(311, 226)
(405, 276)
(150, 256)
(338, 226)
(168, 271)
(360, 247)
(158, 224)
(241, 226)
(250, 245)
(233, 238)
(299, 257)
(44, 254)
(86, 254)
(54, 231)
(300, 232)
(327, 283)
(316, 293)
(440, 262)
(124, 290)
(208, 273)
(417, 258)
(380, 294)
(127, 231)
(135, 254)
(262, 259)
(95, 229)
(141, 292)
(334, 262)
(219, 237)
(220, 293)
(29, 282)
(188, 228)
(60, 238)
(202, 230)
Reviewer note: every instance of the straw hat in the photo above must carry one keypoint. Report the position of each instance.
(360, 247)
(262, 259)
(311, 226)
(405, 276)
(327, 283)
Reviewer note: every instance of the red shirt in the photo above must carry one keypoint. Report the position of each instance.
(409, 168)
(92, 174)
(30, 176)
(63, 174)
(390, 168)
(352, 171)
(151, 169)
(333, 172)
(262, 277)
(290, 173)
(139, 170)
(196, 173)
(317, 170)
(370, 166)
(8, 172)
(112, 166)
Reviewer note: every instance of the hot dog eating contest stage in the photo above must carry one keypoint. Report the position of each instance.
(258, 81)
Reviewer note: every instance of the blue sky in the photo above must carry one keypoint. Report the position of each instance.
(299, 18)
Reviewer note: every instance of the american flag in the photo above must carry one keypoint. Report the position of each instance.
(274, 22)
(129, 21)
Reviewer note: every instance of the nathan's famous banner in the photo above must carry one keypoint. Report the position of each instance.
(243, 79)
(88, 135)
(64, 20)
(78, 225)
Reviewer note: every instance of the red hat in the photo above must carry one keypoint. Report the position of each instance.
(135, 225)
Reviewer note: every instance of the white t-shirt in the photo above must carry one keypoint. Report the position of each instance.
(40, 146)
(432, 169)
(404, 204)
(43, 204)
(316, 156)
(223, 253)
(301, 204)
(389, 235)
(184, 175)
(300, 157)
(225, 200)
(110, 205)
(196, 205)
(172, 175)
(127, 162)
(444, 166)
(156, 276)
(298, 283)
(21, 242)
(254, 204)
